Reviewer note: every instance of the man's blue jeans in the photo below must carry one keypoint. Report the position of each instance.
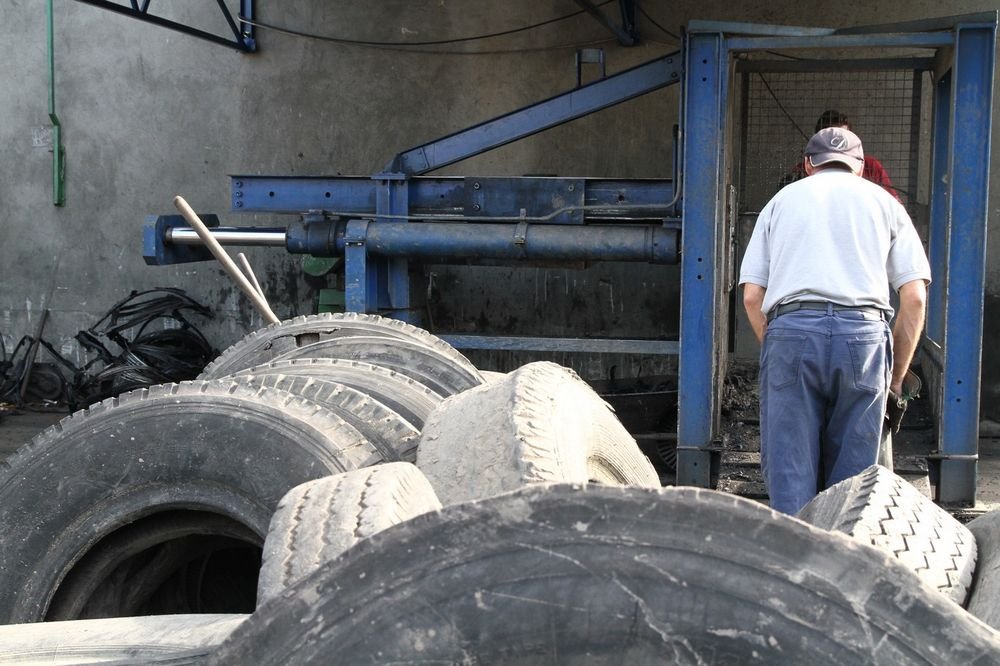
(824, 379)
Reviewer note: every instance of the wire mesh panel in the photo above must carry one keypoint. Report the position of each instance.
(783, 105)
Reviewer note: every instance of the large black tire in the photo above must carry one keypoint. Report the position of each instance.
(540, 423)
(435, 371)
(133, 640)
(405, 396)
(984, 600)
(556, 574)
(393, 437)
(268, 343)
(137, 487)
(319, 520)
(880, 508)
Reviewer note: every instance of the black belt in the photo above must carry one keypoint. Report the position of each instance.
(795, 306)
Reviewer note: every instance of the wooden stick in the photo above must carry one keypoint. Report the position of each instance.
(227, 263)
(248, 270)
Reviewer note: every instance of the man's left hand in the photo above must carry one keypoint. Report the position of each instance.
(895, 407)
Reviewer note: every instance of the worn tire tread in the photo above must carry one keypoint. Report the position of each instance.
(499, 436)
(255, 347)
(317, 521)
(413, 359)
(392, 435)
(413, 401)
(886, 511)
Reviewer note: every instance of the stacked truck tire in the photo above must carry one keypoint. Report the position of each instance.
(350, 485)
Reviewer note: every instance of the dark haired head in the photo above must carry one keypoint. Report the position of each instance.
(832, 118)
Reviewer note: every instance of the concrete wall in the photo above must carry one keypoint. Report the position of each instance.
(150, 113)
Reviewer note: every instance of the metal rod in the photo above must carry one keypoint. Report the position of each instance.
(227, 263)
(243, 237)
(534, 241)
(451, 240)
(594, 345)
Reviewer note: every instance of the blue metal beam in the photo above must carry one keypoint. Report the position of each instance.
(544, 115)
(355, 196)
(587, 345)
(924, 40)
(971, 109)
(705, 91)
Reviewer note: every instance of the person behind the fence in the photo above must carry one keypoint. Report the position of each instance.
(816, 277)
(873, 169)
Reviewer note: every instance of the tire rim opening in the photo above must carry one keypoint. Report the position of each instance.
(171, 562)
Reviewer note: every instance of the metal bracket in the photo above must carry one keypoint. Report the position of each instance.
(156, 252)
(521, 231)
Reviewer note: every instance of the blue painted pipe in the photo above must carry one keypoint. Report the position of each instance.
(444, 241)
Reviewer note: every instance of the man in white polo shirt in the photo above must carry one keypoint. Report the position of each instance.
(816, 277)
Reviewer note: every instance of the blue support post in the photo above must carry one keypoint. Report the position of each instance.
(938, 232)
(705, 88)
(392, 198)
(972, 104)
(361, 285)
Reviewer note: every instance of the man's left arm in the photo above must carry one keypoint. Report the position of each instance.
(753, 300)
(906, 331)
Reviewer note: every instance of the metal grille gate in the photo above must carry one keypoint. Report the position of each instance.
(886, 102)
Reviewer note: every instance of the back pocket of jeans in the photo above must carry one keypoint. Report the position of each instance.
(783, 356)
(868, 357)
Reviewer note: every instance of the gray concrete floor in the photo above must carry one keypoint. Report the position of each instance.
(17, 429)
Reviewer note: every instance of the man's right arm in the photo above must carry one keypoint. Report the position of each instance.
(753, 300)
(907, 329)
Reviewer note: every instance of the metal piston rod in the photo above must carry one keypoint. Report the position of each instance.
(444, 241)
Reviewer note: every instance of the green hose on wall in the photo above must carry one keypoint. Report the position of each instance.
(58, 150)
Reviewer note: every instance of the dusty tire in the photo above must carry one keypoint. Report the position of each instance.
(541, 423)
(268, 343)
(984, 600)
(492, 377)
(437, 372)
(319, 520)
(162, 466)
(405, 396)
(610, 576)
(392, 436)
(133, 640)
(879, 508)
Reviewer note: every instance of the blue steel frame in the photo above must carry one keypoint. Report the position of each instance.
(963, 98)
(704, 123)
(963, 110)
(958, 222)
